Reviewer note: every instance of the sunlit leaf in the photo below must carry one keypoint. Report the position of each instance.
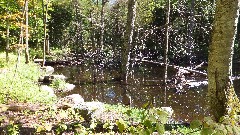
(152, 118)
(106, 125)
(48, 126)
(40, 129)
(121, 125)
(93, 125)
(229, 129)
(163, 116)
(160, 128)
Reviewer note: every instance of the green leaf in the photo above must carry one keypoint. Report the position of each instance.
(40, 129)
(106, 125)
(63, 126)
(160, 128)
(129, 112)
(229, 129)
(152, 119)
(145, 105)
(121, 125)
(144, 132)
(195, 124)
(163, 116)
(147, 123)
(236, 130)
(207, 131)
(132, 130)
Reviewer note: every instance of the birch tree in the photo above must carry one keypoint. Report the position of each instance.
(166, 46)
(222, 98)
(128, 39)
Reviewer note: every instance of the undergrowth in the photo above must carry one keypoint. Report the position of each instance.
(19, 82)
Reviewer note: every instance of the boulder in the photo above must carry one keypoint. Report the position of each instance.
(47, 70)
(69, 87)
(92, 109)
(88, 110)
(71, 101)
(48, 89)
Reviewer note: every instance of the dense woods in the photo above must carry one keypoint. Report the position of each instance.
(85, 25)
(184, 39)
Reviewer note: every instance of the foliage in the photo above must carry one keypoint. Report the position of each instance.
(11, 12)
(139, 121)
(58, 84)
(24, 87)
(13, 129)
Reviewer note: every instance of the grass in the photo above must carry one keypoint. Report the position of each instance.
(20, 83)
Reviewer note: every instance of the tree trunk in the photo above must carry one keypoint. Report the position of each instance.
(26, 31)
(128, 39)
(7, 42)
(190, 38)
(166, 48)
(220, 58)
(45, 31)
(102, 24)
(45, 38)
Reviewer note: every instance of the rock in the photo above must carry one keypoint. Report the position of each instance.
(69, 87)
(50, 78)
(47, 70)
(76, 98)
(88, 110)
(91, 106)
(60, 77)
(48, 89)
(71, 101)
(91, 109)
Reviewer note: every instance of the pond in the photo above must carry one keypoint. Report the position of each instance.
(144, 86)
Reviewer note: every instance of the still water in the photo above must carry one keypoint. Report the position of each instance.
(144, 85)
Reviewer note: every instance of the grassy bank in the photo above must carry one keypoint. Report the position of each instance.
(19, 82)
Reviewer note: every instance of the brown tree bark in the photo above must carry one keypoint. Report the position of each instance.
(222, 97)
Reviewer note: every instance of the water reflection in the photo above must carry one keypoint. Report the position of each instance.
(145, 85)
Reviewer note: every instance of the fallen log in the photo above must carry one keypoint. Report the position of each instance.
(174, 66)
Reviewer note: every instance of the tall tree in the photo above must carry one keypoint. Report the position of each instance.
(7, 42)
(128, 39)
(220, 90)
(102, 24)
(26, 31)
(166, 46)
(45, 40)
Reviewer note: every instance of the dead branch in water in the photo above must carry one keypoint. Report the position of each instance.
(174, 66)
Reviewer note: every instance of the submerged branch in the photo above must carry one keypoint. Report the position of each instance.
(174, 66)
